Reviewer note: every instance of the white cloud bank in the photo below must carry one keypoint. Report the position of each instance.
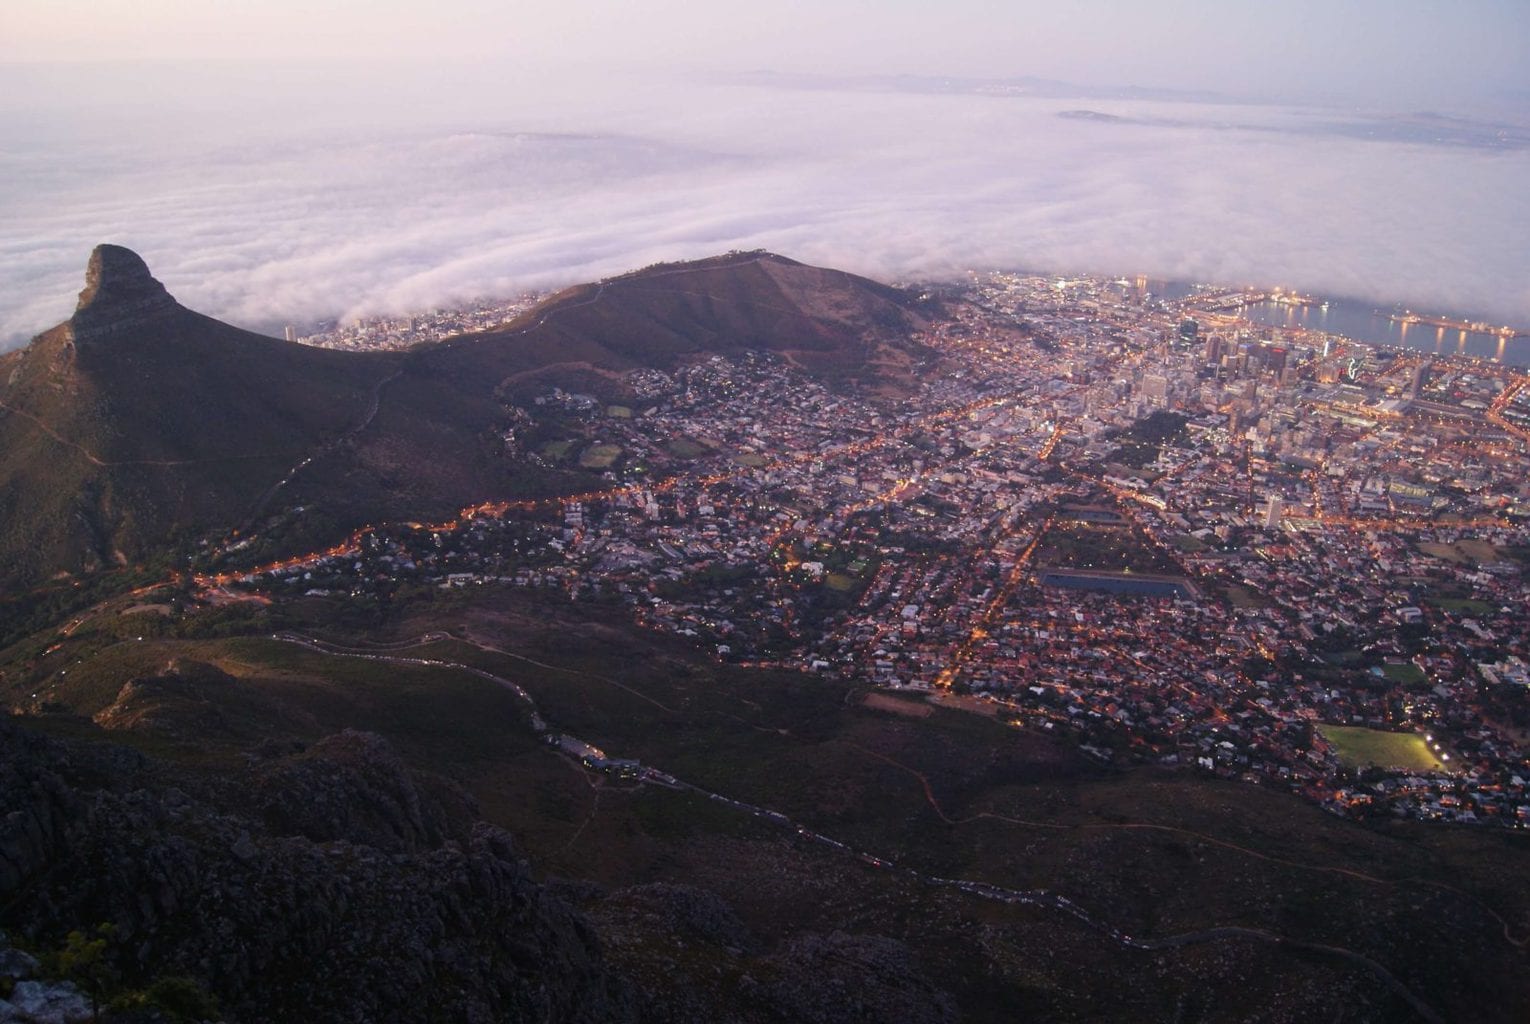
(317, 204)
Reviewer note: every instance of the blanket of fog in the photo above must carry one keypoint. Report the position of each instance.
(267, 198)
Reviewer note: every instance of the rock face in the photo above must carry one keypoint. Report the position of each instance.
(137, 421)
(38, 1002)
(356, 789)
(120, 294)
(691, 959)
(825, 979)
(338, 884)
(409, 911)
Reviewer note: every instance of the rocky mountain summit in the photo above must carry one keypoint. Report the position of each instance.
(120, 295)
(137, 421)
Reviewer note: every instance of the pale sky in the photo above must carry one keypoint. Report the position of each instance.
(1408, 51)
(280, 162)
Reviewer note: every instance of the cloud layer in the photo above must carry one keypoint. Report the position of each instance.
(265, 213)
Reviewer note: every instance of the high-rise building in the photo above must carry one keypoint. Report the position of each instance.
(1420, 377)
(1189, 331)
(1245, 350)
(1214, 349)
(291, 333)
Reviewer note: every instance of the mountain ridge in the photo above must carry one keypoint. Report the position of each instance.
(138, 427)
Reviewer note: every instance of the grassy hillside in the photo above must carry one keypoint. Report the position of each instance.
(1157, 853)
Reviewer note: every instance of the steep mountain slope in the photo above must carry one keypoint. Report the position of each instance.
(138, 424)
(433, 447)
(138, 420)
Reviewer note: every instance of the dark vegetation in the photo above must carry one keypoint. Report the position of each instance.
(705, 911)
(1140, 444)
(1107, 548)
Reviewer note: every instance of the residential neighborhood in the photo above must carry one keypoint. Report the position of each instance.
(1177, 535)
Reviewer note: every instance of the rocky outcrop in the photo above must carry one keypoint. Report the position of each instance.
(691, 959)
(683, 911)
(28, 999)
(119, 295)
(335, 883)
(831, 979)
(43, 1002)
(407, 913)
(355, 788)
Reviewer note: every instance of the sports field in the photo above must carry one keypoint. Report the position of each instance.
(600, 456)
(1358, 748)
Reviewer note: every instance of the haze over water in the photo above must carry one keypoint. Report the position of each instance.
(1371, 326)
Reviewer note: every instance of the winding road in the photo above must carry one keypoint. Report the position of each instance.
(977, 889)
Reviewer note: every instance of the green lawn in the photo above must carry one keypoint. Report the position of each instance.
(600, 456)
(685, 448)
(1406, 672)
(1463, 552)
(1359, 747)
(1448, 552)
(1241, 597)
(1462, 605)
(1480, 550)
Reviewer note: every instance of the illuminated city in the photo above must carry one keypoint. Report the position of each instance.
(1175, 536)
